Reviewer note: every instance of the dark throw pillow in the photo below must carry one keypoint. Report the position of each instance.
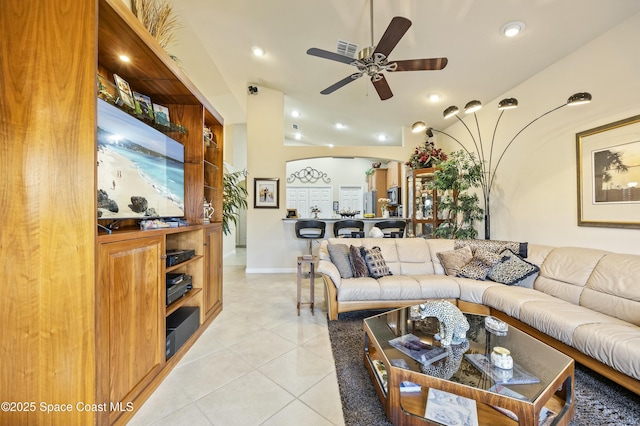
(375, 262)
(480, 265)
(512, 270)
(358, 265)
(339, 254)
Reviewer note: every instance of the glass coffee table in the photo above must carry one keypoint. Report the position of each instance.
(460, 386)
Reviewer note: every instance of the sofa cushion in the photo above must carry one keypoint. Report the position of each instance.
(359, 289)
(511, 269)
(438, 287)
(511, 299)
(358, 265)
(560, 319)
(478, 267)
(339, 254)
(414, 256)
(453, 260)
(613, 287)
(615, 345)
(375, 262)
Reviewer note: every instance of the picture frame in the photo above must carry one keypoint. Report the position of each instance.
(124, 91)
(144, 106)
(292, 213)
(161, 115)
(266, 193)
(608, 172)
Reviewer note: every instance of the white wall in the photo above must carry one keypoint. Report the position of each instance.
(271, 242)
(534, 197)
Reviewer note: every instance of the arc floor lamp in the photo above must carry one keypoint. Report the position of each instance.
(486, 159)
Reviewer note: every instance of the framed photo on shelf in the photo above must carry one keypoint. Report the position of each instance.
(292, 213)
(266, 193)
(144, 106)
(124, 91)
(608, 165)
(161, 115)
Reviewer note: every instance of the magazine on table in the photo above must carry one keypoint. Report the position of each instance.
(422, 352)
(515, 376)
(450, 409)
(546, 415)
(381, 372)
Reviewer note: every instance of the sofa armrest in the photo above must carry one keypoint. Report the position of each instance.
(327, 268)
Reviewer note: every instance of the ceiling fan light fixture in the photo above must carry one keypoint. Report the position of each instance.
(418, 127)
(508, 103)
(450, 111)
(472, 106)
(579, 98)
(512, 29)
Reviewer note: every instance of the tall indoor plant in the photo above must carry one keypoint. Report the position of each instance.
(234, 197)
(454, 179)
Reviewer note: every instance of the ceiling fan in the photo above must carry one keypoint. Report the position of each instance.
(373, 60)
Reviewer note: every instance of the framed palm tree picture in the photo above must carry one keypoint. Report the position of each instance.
(608, 164)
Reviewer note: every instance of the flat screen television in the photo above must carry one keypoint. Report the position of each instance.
(140, 169)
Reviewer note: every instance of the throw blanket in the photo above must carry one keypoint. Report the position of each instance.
(494, 246)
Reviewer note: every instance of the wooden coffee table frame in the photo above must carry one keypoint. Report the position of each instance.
(409, 408)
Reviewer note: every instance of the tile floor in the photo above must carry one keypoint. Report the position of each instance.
(258, 363)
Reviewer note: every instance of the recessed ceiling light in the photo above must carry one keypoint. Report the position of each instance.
(258, 51)
(434, 97)
(382, 137)
(340, 126)
(512, 29)
(295, 113)
(330, 145)
(298, 136)
(124, 58)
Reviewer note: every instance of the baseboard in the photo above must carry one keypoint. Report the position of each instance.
(270, 270)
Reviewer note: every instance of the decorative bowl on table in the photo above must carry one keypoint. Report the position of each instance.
(348, 213)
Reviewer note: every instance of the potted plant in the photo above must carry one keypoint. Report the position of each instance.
(426, 156)
(234, 197)
(454, 178)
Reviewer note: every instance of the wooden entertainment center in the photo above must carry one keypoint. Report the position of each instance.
(83, 312)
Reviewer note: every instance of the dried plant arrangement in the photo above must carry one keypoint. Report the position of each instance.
(159, 19)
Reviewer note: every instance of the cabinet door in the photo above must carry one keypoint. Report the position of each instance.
(213, 278)
(132, 330)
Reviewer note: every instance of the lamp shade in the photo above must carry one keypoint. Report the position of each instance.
(450, 112)
(508, 103)
(418, 126)
(472, 106)
(579, 98)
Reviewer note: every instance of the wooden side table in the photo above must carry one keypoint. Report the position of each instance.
(312, 272)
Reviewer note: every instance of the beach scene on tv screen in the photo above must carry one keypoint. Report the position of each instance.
(140, 170)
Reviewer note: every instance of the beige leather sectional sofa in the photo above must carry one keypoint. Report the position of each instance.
(584, 302)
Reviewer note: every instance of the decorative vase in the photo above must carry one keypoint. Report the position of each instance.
(385, 213)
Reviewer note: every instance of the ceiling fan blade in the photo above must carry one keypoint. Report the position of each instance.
(421, 64)
(330, 55)
(396, 29)
(382, 87)
(341, 83)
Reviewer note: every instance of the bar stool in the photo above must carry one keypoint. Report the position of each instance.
(309, 229)
(351, 228)
(392, 228)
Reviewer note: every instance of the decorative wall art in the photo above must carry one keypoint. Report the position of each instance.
(608, 165)
(266, 193)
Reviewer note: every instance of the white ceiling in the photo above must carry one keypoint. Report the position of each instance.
(483, 64)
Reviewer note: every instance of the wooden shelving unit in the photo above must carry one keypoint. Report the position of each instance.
(85, 315)
(422, 210)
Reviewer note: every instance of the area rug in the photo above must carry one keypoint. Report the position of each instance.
(599, 401)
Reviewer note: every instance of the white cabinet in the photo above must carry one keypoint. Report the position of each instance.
(303, 198)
